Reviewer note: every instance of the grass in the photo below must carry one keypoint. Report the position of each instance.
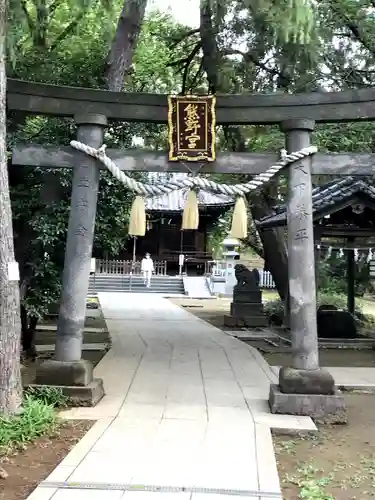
(38, 417)
(311, 487)
(92, 300)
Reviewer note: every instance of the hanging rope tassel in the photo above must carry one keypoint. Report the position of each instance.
(190, 216)
(239, 220)
(137, 221)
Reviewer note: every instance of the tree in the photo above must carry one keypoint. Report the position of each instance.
(283, 46)
(10, 328)
(41, 197)
(124, 42)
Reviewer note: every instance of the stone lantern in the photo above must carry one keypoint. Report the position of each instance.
(230, 255)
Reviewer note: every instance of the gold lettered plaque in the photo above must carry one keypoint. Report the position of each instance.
(192, 122)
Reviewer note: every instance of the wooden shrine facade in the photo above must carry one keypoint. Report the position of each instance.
(165, 240)
(344, 218)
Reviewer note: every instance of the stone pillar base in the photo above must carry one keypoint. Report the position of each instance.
(74, 378)
(323, 408)
(295, 381)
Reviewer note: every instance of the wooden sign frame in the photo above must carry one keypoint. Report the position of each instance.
(192, 124)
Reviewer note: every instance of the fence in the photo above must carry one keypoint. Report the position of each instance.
(127, 267)
(217, 268)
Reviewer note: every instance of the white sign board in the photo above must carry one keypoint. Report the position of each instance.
(13, 271)
(181, 259)
(372, 268)
(93, 265)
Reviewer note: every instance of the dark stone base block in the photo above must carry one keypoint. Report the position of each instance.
(323, 408)
(88, 395)
(65, 373)
(336, 324)
(294, 381)
(249, 322)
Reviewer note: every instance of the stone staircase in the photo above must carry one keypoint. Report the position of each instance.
(166, 285)
(196, 287)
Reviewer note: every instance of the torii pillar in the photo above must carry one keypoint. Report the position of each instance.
(304, 388)
(68, 370)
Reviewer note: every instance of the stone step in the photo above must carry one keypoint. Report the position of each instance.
(54, 327)
(85, 347)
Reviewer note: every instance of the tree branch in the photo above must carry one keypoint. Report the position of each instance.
(354, 28)
(209, 46)
(180, 38)
(30, 22)
(284, 79)
(67, 31)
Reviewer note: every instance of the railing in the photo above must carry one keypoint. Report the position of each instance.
(217, 268)
(190, 255)
(266, 280)
(128, 267)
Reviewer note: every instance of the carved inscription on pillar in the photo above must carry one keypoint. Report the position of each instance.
(301, 265)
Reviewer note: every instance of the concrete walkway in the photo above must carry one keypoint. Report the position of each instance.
(185, 414)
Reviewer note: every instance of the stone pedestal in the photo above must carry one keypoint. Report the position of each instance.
(246, 310)
(336, 324)
(308, 392)
(74, 378)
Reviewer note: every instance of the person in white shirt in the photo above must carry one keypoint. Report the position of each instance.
(147, 267)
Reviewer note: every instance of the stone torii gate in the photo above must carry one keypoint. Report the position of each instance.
(304, 388)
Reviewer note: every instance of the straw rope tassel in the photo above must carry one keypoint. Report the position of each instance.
(137, 221)
(190, 216)
(239, 219)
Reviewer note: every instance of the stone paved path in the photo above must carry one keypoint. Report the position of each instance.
(185, 415)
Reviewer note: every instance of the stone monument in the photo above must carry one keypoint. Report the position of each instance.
(246, 308)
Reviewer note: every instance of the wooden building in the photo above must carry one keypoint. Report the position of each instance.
(164, 239)
(344, 220)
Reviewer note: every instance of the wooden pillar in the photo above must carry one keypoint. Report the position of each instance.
(301, 264)
(351, 265)
(79, 242)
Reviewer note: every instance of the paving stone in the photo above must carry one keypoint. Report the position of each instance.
(183, 401)
(65, 494)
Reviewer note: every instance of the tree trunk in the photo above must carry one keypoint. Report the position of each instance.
(28, 330)
(274, 248)
(124, 43)
(10, 327)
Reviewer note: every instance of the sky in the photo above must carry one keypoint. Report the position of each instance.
(184, 11)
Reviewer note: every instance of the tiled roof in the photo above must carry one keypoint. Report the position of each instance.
(323, 198)
(175, 200)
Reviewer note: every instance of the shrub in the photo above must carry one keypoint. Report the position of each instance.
(50, 396)
(335, 299)
(275, 308)
(36, 419)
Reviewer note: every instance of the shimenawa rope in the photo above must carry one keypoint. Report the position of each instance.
(192, 182)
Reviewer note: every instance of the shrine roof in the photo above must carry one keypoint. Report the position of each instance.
(327, 199)
(175, 200)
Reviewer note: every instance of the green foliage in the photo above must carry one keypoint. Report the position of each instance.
(286, 46)
(70, 47)
(276, 307)
(49, 396)
(36, 419)
(334, 299)
(333, 276)
(312, 487)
